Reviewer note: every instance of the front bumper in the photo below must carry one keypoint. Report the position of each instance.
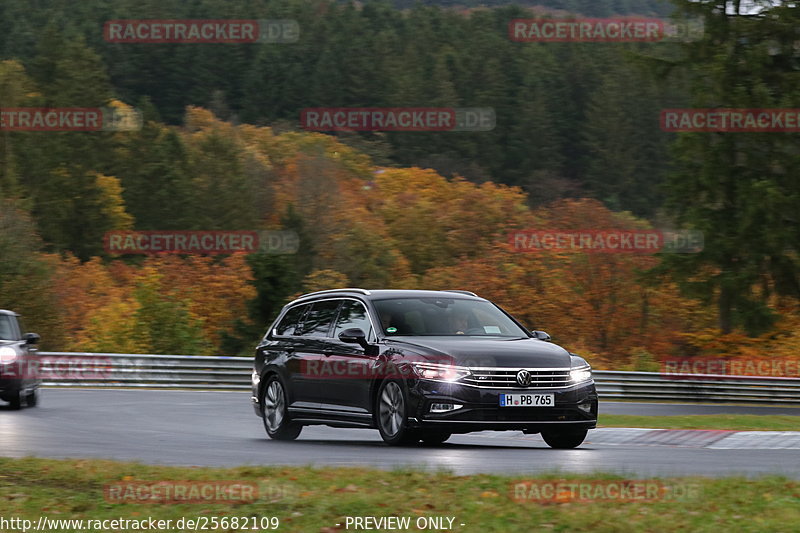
(11, 377)
(13, 386)
(575, 408)
(255, 382)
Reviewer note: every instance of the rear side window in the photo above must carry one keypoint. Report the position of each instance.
(290, 319)
(318, 320)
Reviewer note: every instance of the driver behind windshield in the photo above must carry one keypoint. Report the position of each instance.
(460, 322)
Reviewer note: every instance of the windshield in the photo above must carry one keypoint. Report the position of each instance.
(444, 316)
(7, 332)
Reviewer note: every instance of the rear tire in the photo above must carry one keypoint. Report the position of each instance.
(563, 440)
(391, 413)
(273, 412)
(434, 438)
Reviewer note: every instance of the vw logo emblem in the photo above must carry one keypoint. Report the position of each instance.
(524, 378)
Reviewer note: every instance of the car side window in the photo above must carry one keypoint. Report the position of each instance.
(318, 320)
(290, 320)
(353, 315)
(6, 330)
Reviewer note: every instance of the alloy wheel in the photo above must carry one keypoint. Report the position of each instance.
(274, 406)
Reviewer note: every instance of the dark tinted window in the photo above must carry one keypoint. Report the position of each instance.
(6, 329)
(352, 315)
(318, 319)
(290, 319)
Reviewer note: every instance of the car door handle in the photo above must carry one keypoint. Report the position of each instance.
(289, 350)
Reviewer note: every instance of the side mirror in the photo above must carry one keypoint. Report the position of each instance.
(353, 336)
(541, 335)
(31, 338)
(357, 336)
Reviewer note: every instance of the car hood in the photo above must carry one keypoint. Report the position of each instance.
(491, 352)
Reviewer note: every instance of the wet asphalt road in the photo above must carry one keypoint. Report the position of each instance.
(220, 429)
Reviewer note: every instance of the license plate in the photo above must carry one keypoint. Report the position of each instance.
(527, 400)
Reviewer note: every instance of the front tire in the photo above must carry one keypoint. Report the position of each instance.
(563, 440)
(392, 415)
(32, 399)
(15, 401)
(273, 412)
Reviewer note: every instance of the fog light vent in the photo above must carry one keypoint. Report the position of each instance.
(445, 407)
(585, 406)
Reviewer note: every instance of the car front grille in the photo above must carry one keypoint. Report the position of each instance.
(506, 378)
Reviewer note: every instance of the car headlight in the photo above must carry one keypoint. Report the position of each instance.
(440, 372)
(7, 355)
(579, 375)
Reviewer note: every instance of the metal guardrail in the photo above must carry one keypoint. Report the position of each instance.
(71, 369)
(81, 369)
(695, 387)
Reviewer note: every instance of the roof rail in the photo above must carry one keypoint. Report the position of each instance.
(350, 289)
(469, 293)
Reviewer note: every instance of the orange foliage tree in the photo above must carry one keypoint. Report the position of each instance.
(599, 304)
(126, 309)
